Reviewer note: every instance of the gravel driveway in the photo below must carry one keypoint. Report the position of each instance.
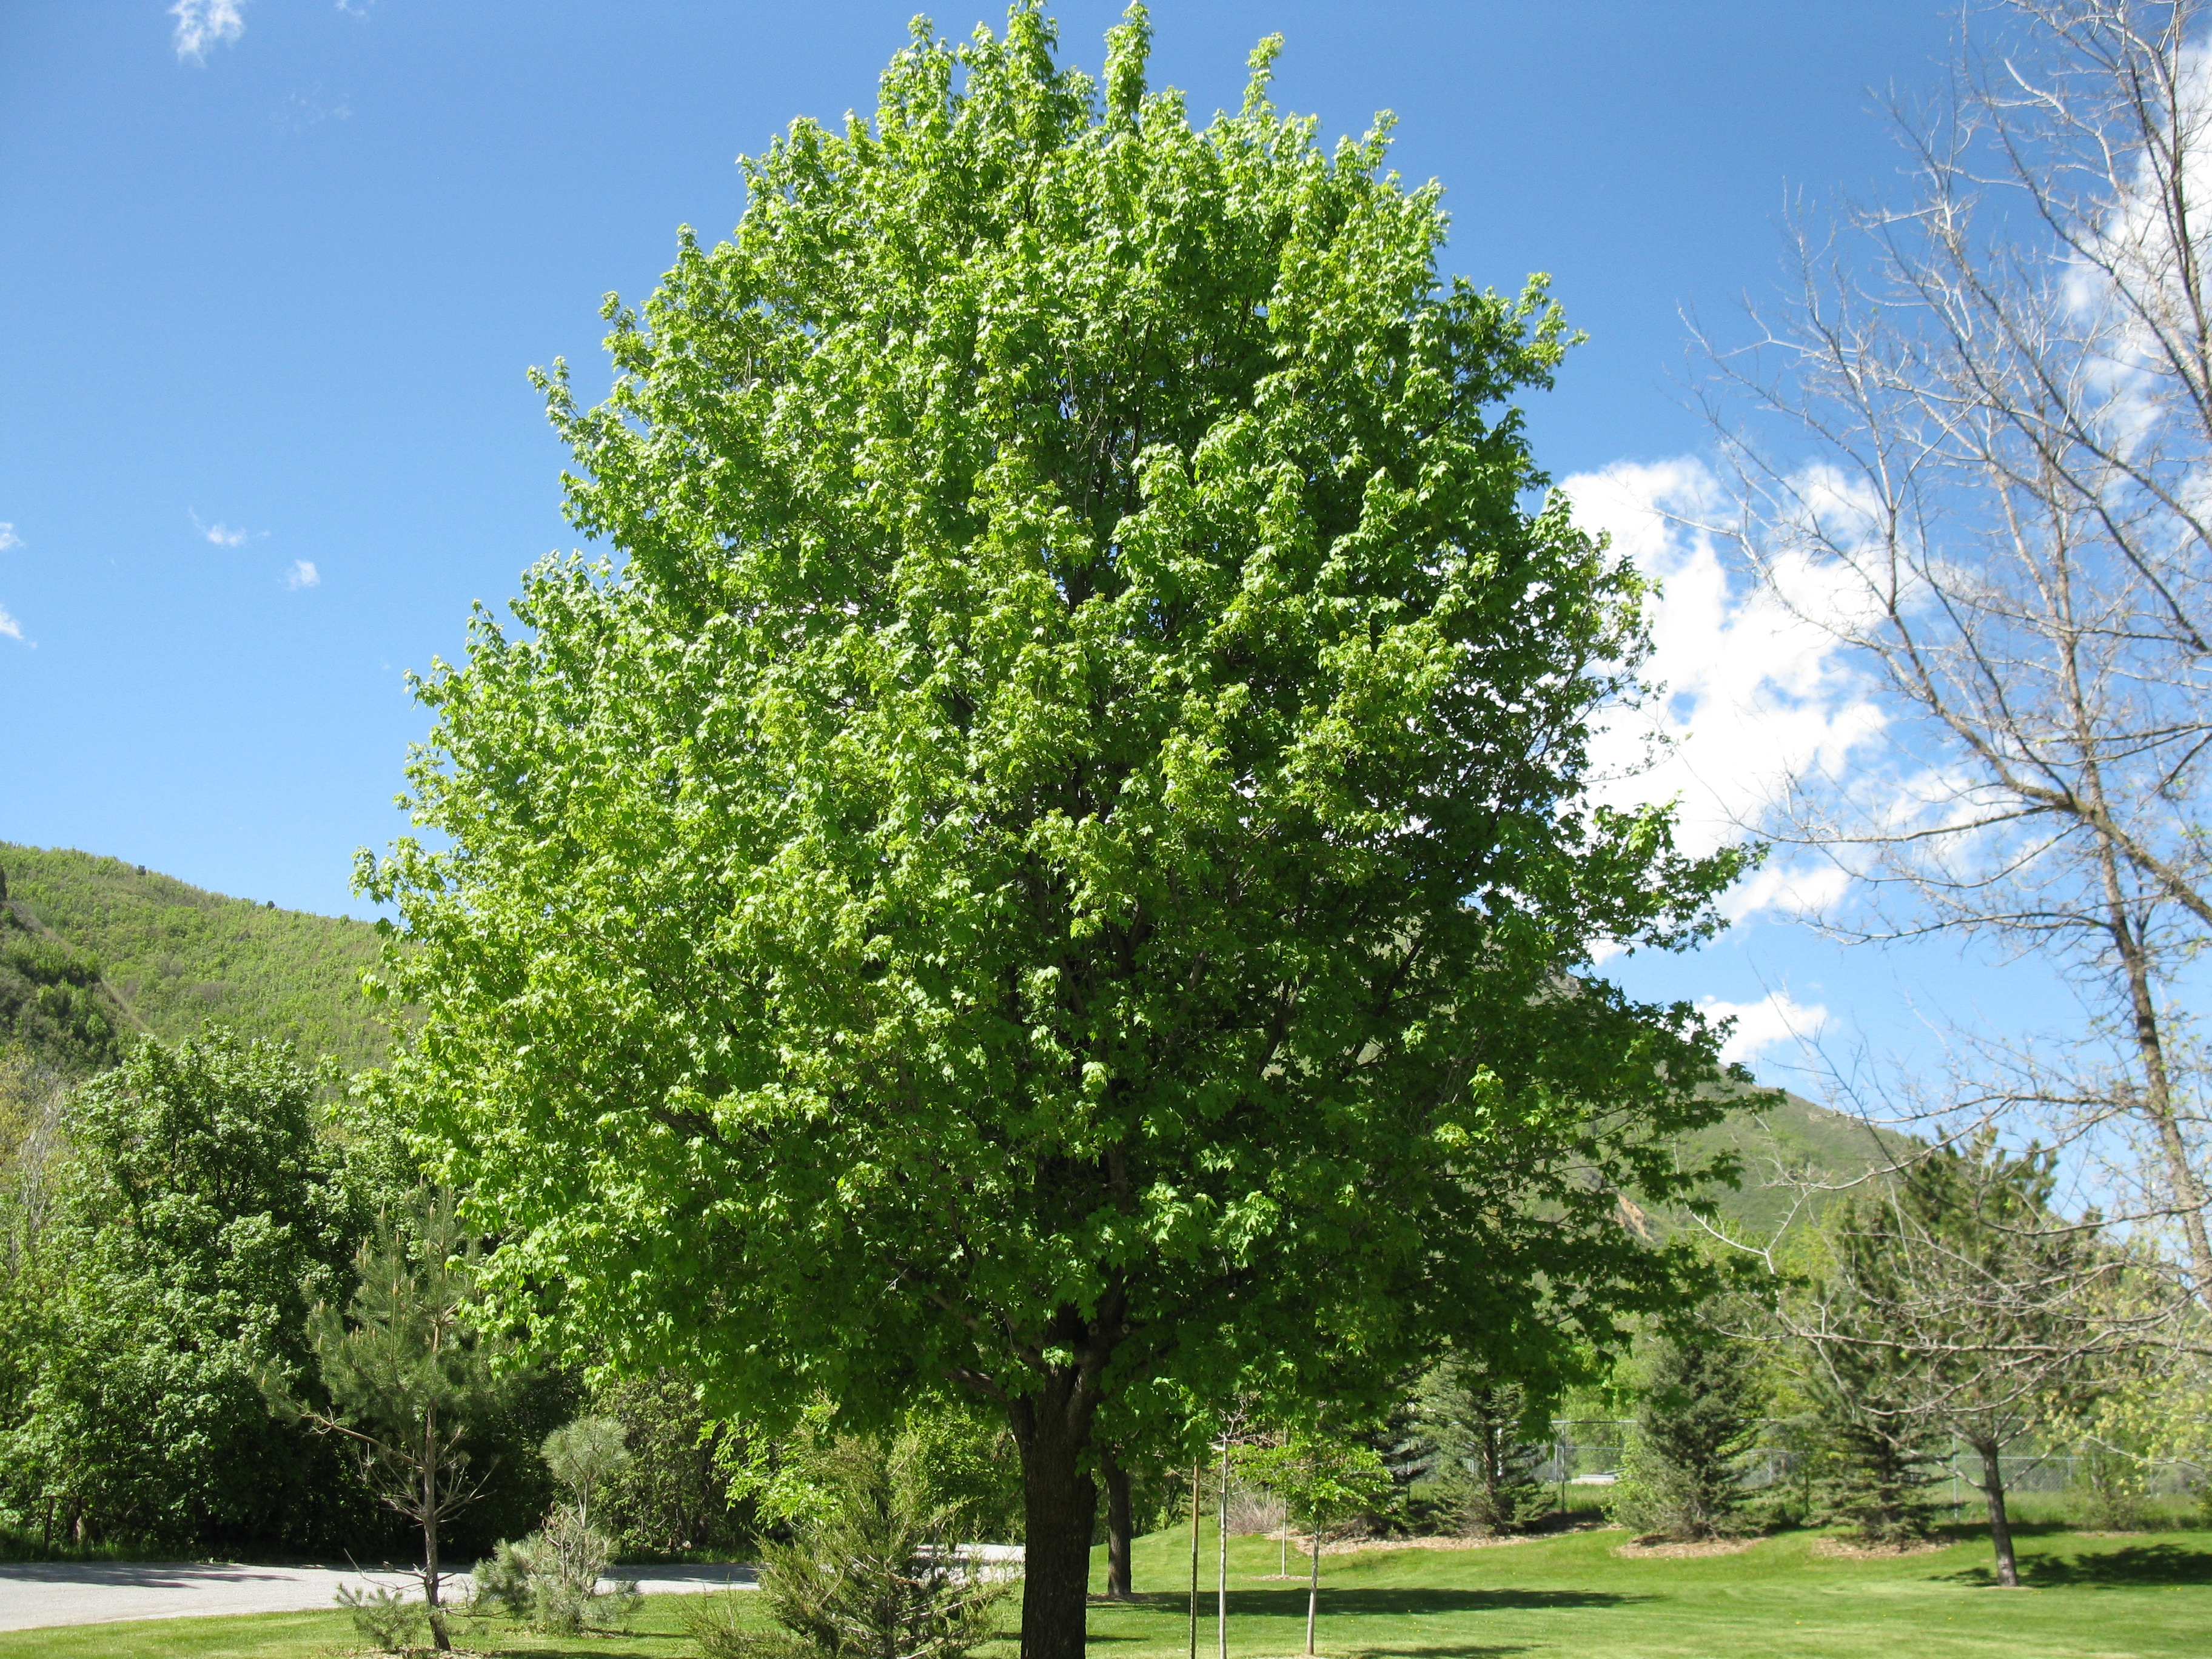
(36, 1593)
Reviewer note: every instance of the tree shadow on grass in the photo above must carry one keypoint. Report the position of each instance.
(2136, 1563)
(502, 1647)
(1399, 1603)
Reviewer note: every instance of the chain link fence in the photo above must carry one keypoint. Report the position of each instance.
(1584, 1457)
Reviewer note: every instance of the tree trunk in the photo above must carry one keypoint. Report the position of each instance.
(1221, 1617)
(1059, 1507)
(2000, 1527)
(2188, 1196)
(439, 1640)
(1120, 1522)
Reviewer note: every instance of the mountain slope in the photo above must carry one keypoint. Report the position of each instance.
(1794, 1142)
(166, 957)
(52, 1000)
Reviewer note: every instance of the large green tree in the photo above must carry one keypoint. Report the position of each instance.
(1058, 863)
(201, 1210)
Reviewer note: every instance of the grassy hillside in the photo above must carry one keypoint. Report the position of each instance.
(51, 998)
(166, 957)
(1796, 1141)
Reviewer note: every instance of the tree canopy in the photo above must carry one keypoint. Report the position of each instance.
(1058, 863)
(200, 1215)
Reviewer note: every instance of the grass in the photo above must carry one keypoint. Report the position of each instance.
(656, 1630)
(2141, 1596)
(2137, 1596)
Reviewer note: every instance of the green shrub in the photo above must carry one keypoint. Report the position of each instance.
(2111, 1488)
(500, 1582)
(717, 1627)
(672, 1498)
(550, 1580)
(874, 1574)
(386, 1619)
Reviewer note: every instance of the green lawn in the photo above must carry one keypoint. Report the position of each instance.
(656, 1631)
(1571, 1597)
(1568, 1598)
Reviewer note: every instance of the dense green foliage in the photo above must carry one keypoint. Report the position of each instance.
(1699, 1412)
(1067, 831)
(173, 957)
(1471, 1437)
(166, 1231)
(200, 1215)
(672, 1498)
(52, 1002)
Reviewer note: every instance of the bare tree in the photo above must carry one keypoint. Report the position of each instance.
(1986, 465)
(1953, 1298)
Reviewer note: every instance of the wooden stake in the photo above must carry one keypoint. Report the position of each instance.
(1196, 1499)
(1313, 1584)
(1222, 1620)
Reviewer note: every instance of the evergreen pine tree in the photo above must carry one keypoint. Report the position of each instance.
(1877, 1480)
(1875, 1454)
(410, 1375)
(1468, 1438)
(1699, 1415)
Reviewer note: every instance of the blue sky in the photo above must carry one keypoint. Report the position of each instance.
(265, 428)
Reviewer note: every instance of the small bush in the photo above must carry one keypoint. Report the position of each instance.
(716, 1626)
(2110, 1491)
(500, 1582)
(386, 1619)
(550, 1580)
(876, 1575)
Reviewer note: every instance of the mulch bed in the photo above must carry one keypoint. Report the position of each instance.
(1655, 1548)
(1850, 1550)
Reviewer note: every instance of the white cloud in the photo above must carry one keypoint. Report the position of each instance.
(1775, 1019)
(1799, 889)
(220, 533)
(9, 538)
(204, 23)
(1750, 694)
(9, 625)
(301, 111)
(302, 573)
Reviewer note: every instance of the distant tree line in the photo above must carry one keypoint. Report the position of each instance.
(170, 1231)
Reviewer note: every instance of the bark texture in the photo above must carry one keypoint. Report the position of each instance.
(1060, 1504)
(2000, 1524)
(1120, 1525)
